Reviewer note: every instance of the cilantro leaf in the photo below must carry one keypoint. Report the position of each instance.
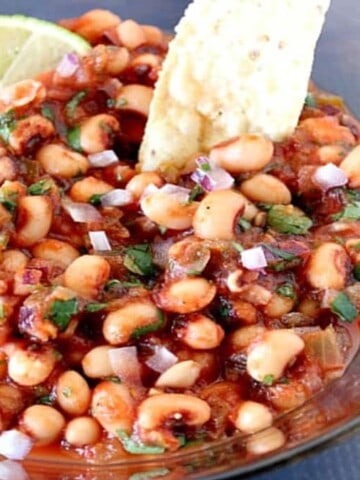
(195, 193)
(277, 252)
(350, 212)
(9, 201)
(268, 380)
(95, 199)
(73, 138)
(73, 103)
(310, 100)
(286, 290)
(344, 308)
(95, 307)
(289, 220)
(152, 327)
(45, 400)
(41, 187)
(47, 112)
(243, 224)
(123, 284)
(137, 448)
(138, 259)
(7, 125)
(61, 312)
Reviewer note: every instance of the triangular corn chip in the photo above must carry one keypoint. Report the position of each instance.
(234, 66)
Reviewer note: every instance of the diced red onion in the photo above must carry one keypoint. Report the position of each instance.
(181, 193)
(212, 177)
(31, 276)
(103, 159)
(68, 65)
(117, 198)
(254, 258)
(160, 251)
(15, 445)
(10, 470)
(81, 212)
(125, 364)
(162, 359)
(330, 176)
(100, 241)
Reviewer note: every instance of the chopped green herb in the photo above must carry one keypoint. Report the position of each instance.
(223, 310)
(123, 284)
(238, 247)
(47, 112)
(286, 290)
(95, 199)
(113, 379)
(357, 271)
(67, 392)
(350, 212)
(7, 125)
(310, 100)
(121, 102)
(9, 201)
(95, 307)
(159, 472)
(268, 380)
(73, 138)
(41, 187)
(286, 219)
(45, 400)
(138, 259)
(110, 103)
(344, 308)
(61, 312)
(356, 246)
(152, 327)
(72, 105)
(137, 448)
(277, 252)
(244, 224)
(195, 193)
(193, 273)
(284, 381)
(205, 167)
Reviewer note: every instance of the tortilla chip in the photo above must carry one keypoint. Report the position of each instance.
(234, 67)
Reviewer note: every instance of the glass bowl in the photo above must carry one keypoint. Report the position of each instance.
(334, 412)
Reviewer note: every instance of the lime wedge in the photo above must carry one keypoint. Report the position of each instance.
(30, 46)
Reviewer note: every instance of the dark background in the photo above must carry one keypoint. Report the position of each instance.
(337, 68)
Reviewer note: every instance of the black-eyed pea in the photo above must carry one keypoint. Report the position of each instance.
(327, 267)
(32, 366)
(186, 296)
(351, 166)
(181, 375)
(255, 294)
(113, 406)
(55, 250)
(251, 417)
(135, 97)
(201, 333)
(7, 169)
(267, 189)
(330, 154)
(245, 311)
(242, 338)
(13, 260)
(267, 355)
(114, 59)
(353, 249)
(278, 306)
(33, 220)
(265, 442)
(84, 189)
(87, 274)
(309, 307)
(215, 218)
(43, 423)
(82, 431)
(154, 36)
(131, 34)
(243, 154)
(96, 363)
(30, 129)
(150, 59)
(60, 161)
(12, 402)
(139, 182)
(73, 393)
(92, 24)
(97, 133)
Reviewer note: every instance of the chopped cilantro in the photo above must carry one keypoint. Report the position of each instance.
(113, 379)
(72, 105)
(277, 252)
(9, 201)
(61, 312)
(286, 290)
(195, 193)
(95, 199)
(350, 212)
(244, 224)
(138, 259)
(288, 220)
(73, 138)
(47, 112)
(152, 327)
(123, 284)
(45, 400)
(268, 380)
(284, 381)
(238, 247)
(95, 307)
(344, 308)
(137, 448)
(310, 100)
(41, 187)
(7, 125)
(357, 271)
(121, 102)
(205, 167)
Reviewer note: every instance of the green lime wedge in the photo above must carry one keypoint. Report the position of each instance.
(30, 46)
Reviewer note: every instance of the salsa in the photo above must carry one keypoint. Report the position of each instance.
(142, 312)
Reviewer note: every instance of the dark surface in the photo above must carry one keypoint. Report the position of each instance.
(337, 68)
